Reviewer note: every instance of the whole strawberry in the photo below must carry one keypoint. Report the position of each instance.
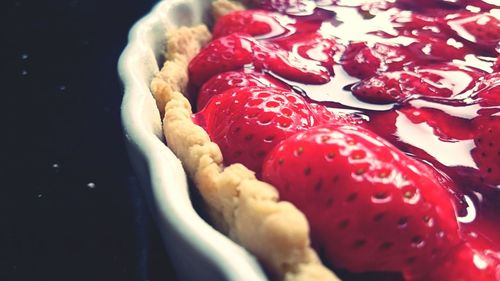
(370, 207)
(312, 46)
(235, 79)
(362, 61)
(486, 151)
(248, 122)
(289, 65)
(259, 23)
(483, 29)
(397, 86)
(227, 53)
(238, 51)
(486, 136)
(486, 90)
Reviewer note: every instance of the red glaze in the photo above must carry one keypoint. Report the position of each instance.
(468, 263)
(423, 75)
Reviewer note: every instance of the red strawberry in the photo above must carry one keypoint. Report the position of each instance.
(486, 152)
(361, 60)
(396, 86)
(311, 46)
(253, 22)
(289, 65)
(427, 47)
(483, 30)
(437, 80)
(496, 65)
(370, 207)
(227, 53)
(466, 264)
(235, 51)
(487, 90)
(339, 117)
(248, 122)
(235, 79)
(385, 88)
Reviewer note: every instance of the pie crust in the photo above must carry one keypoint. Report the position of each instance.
(242, 207)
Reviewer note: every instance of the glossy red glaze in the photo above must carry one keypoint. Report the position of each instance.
(442, 105)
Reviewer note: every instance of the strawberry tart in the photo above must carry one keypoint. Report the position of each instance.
(342, 139)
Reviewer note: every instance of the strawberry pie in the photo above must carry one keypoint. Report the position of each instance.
(342, 139)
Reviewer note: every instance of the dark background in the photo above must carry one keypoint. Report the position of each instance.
(70, 206)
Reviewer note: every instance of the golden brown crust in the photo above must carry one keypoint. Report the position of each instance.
(246, 209)
(222, 7)
(183, 44)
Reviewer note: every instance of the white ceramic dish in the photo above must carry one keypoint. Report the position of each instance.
(197, 250)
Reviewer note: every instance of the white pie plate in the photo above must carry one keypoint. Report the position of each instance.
(197, 250)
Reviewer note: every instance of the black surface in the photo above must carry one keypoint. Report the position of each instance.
(70, 207)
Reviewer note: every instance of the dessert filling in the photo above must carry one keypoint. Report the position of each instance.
(380, 120)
